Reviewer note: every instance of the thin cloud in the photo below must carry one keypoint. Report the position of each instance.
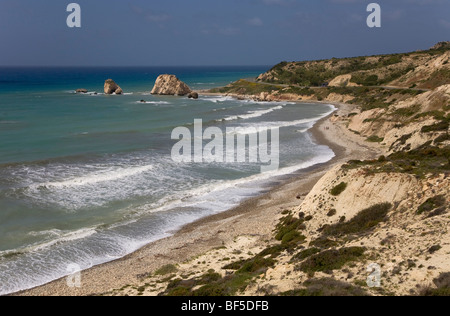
(255, 22)
(149, 15)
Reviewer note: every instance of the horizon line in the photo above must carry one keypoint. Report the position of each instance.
(130, 66)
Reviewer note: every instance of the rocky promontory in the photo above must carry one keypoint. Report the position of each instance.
(112, 87)
(170, 85)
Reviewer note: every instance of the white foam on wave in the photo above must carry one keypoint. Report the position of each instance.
(253, 128)
(251, 114)
(219, 99)
(54, 236)
(208, 195)
(103, 176)
(153, 102)
(65, 236)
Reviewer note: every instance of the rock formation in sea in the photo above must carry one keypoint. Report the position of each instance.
(193, 95)
(170, 85)
(112, 87)
(81, 91)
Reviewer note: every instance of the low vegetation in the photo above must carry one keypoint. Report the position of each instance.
(337, 190)
(442, 288)
(209, 284)
(364, 221)
(427, 159)
(432, 204)
(245, 87)
(287, 230)
(330, 260)
(327, 287)
(167, 269)
(375, 139)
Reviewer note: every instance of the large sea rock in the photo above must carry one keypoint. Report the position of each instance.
(112, 87)
(170, 85)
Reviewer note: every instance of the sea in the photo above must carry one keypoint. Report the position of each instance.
(89, 178)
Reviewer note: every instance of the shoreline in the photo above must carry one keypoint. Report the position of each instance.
(254, 217)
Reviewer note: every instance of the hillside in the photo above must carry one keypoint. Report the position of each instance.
(424, 70)
(375, 81)
(392, 211)
(386, 212)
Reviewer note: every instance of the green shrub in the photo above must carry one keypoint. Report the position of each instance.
(212, 284)
(210, 290)
(442, 284)
(434, 249)
(292, 236)
(327, 287)
(302, 255)
(256, 265)
(323, 242)
(374, 139)
(440, 126)
(331, 213)
(179, 291)
(337, 190)
(364, 221)
(330, 260)
(407, 112)
(432, 204)
(167, 269)
(287, 225)
(442, 138)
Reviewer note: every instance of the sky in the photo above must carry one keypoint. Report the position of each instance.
(212, 32)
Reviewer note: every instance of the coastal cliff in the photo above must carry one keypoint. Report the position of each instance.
(383, 218)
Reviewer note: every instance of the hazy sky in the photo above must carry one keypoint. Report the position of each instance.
(212, 32)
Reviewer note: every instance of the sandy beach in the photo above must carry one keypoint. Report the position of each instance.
(248, 226)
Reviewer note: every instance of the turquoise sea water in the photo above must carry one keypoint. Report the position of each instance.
(86, 179)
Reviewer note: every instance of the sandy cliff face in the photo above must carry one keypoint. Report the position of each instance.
(402, 125)
(342, 81)
(362, 191)
(411, 248)
(428, 73)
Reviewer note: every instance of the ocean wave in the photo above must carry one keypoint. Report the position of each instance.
(9, 122)
(94, 178)
(217, 197)
(249, 129)
(153, 102)
(219, 99)
(54, 237)
(63, 237)
(251, 114)
(259, 127)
